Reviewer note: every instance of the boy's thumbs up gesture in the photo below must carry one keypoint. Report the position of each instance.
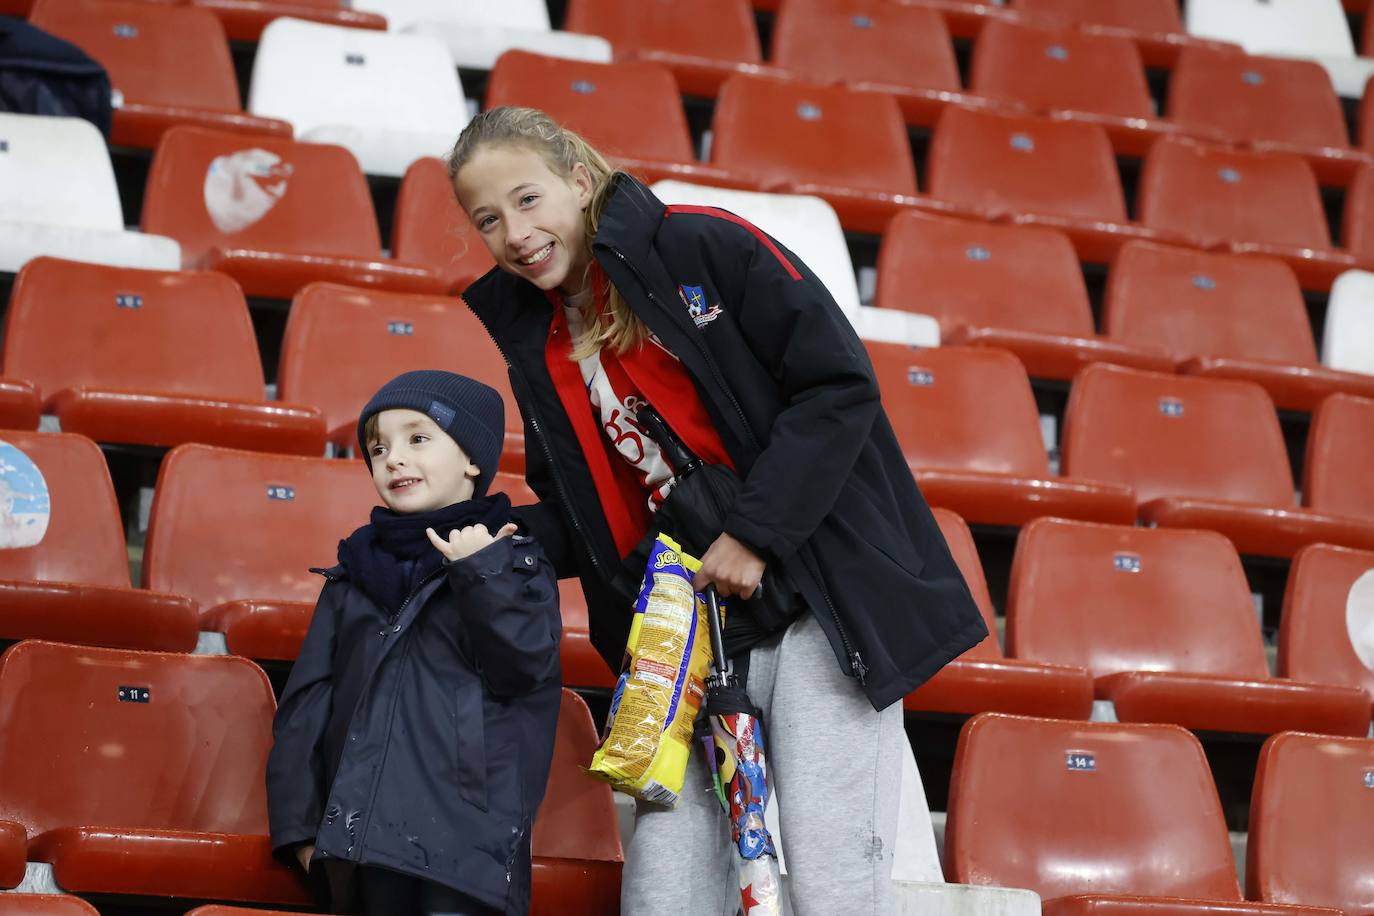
(464, 542)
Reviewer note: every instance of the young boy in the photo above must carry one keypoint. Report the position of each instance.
(414, 736)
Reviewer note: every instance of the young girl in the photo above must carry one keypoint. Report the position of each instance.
(604, 298)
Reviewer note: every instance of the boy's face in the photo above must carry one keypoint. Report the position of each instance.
(529, 217)
(416, 466)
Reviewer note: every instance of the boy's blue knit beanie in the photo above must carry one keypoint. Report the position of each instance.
(469, 411)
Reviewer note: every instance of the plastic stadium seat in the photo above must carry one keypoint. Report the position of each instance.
(1223, 316)
(47, 905)
(388, 99)
(430, 229)
(1154, 25)
(342, 344)
(140, 773)
(575, 843)
(808, 227)
(1275, 104)
(259, 593)
(982, 679)
(1200, 453)
(1164, 621)
(902, 50)
(167, 64)
(20, 405)
(967, 422)
(244, 20)
(593, 99)
(148, 357)
(73, 585)
(965, 18)
(58, 197)
(271, 213)
(1073, 74)
(1323, 618)
(847, 147)
(1357, 229)
(1019, 288)
(703, 43)
(1251, 202)
(1034, 170)
(477, 32)
(1364, 119)
(1348, 334)
(583, 667)
(1313, 29)
(1309, 823)
(14, 847)
(1340, 446)
(1102, 818)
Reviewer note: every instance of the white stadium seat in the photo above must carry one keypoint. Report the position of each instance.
(58, 197)
(808, 227)
(1348, 337)
(1313, 29)
(476, 32)
(387, 98)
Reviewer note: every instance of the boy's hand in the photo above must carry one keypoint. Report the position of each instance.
(731, 567)
(303, 856)
(464, 542)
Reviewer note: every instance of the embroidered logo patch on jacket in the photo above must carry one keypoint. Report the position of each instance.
(695, 300)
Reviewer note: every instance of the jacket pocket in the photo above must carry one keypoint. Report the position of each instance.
(472, 746)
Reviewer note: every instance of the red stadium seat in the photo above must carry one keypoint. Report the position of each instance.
(148, 357)
(14, 846)
(1309, 823)
(20, 405)
(1074, 74)
(1357, 228)
(1277, 104)
(1164, 621)
(592, 99)
(703, 43)
(1223, 316)
(1317, 629)
(1101, 818)
(1154, 25)
(429, 229)
(965, 18)
(847, 147)
(73, 585)
(1200, 453)
(170, 65)
(1340, 458)
(583, 667)
(1019, 288)
(271, 213)
(983, 679)
(967, 422)
(47, 905)
(1035, 170)
(239, 532)
(244, 20)
(342, 344)
(1251, 202)
(902, 50)
(140, 773)
(576, 842)
(1364, 122)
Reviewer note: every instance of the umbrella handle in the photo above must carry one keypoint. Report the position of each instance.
(674, 450)
(719, 662)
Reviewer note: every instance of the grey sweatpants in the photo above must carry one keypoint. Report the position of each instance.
(836, 767)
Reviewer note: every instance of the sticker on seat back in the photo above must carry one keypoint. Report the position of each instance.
(25, 504)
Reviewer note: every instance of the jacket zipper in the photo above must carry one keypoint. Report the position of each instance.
(857, 666)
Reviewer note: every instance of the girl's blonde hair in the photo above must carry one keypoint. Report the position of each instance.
(612, 323)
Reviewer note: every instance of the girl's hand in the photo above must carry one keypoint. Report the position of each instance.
(464, 542)
(303, 856)
(731, 567)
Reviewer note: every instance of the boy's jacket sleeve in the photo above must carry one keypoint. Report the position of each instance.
(507, 597)
(296, 766)
(830, 398)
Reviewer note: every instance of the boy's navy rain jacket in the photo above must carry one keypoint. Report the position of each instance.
(444, 785)
(827, 493)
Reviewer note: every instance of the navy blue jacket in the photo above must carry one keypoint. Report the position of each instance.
(828, 495)
(421, 742)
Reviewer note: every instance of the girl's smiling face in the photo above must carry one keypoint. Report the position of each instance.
(530, 217)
